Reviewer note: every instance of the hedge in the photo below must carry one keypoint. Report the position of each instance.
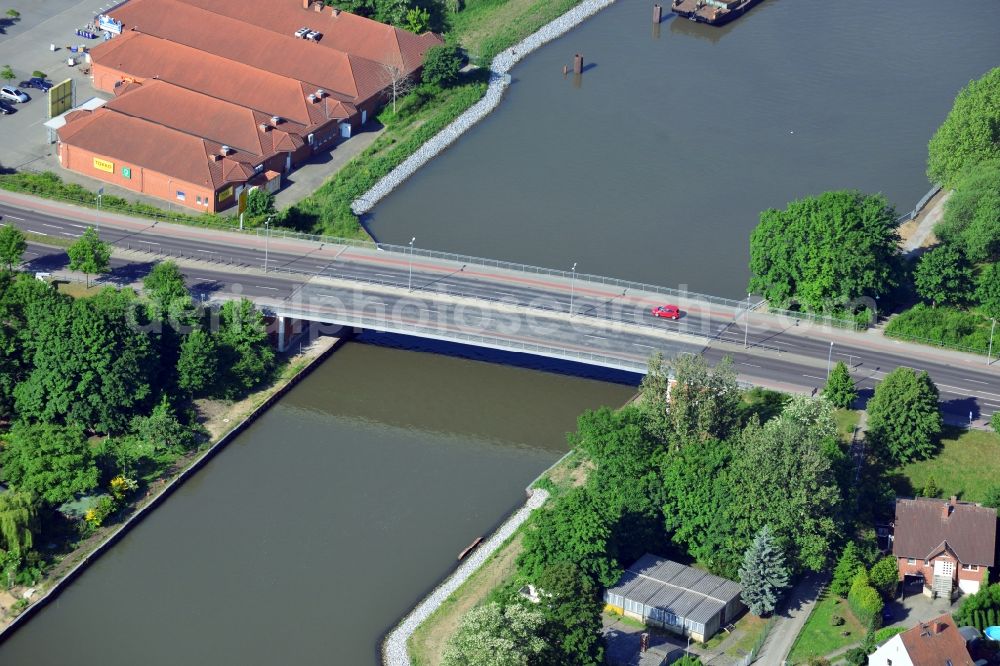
(865, 602)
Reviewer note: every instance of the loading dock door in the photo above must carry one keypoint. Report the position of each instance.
(345, 130)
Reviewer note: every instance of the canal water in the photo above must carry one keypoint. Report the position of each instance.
(308, 537)
(656, 167)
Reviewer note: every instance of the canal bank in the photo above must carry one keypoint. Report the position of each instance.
(299, 366)
(306, 538)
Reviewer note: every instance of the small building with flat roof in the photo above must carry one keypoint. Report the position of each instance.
(688, 601)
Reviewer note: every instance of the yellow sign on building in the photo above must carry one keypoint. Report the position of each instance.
(104, 165)
(61, 98)
(225, 194)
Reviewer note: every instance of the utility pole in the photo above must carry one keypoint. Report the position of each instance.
(746, 331)
(829, 357)
(267, 239)
(989, 354)
(572, 288)
(410, 285)
(100, 194)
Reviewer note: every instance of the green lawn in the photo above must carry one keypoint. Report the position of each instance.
(847, 420)
(967, 465)
(819, 637)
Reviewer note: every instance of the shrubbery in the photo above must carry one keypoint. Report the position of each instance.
(942, 325)
(865, 602)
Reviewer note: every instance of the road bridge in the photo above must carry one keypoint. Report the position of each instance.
(560, 314)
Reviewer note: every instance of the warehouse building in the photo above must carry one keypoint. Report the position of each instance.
(239, 95)
(685, 600)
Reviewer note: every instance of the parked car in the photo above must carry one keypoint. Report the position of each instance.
(36, 82)
(6, 108)
(12, 94)
(667, 311)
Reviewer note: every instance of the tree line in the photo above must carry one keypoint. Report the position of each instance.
(96, 393)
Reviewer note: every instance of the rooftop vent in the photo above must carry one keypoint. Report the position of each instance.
(312, 98)
(225, 150)
(301, 32)
(264, 127)
(216, 157)
(336, 12)
(275, 120)
(314, 36)
(320, 93)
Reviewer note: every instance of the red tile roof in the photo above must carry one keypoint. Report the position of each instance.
(936, 643)
(143, 143)
(207, 117)
(355, 77)
(923, 529)
(340, 30)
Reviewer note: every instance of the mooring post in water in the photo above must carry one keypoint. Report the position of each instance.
(657, 13)
(578, 64)
(565, 70)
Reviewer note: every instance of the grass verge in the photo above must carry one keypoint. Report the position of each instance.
(426, 645)
(819, 636)
(967, 465)
(942, 326)
(846, 420)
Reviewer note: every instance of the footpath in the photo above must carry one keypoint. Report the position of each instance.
(791, 618)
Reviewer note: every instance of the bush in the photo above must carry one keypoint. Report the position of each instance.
(941, 325)
(441, 65)
(866, 602)
(836, 620)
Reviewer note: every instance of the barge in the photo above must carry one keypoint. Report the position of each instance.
(712, 12)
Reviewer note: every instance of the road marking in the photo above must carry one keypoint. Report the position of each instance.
(636, 344)
(78, 226)
(205, 251)
(262, 287)
(990, 404)
(384, 275)
(976, 381)
(16, 218)
(51, 226)
(596, 337)
(815, 377)
(751, 365)
(146, 242)
(66, 233)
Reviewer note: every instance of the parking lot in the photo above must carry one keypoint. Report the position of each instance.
(25, 45)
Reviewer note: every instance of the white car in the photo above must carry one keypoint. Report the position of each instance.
(12, 94)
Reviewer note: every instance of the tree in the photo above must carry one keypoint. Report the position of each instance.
(847, 568)
(14, 14)
(89, 254)
(971, 220)
(970, 133)
(395, 82)
(930, 488)
(988, 290)
(18, 521)
(198, 364)
(781, 476)
(53, 462)
(12, 246)
(654, 391)
(418, 20)
(839, 389)
(260, 204)
(495, 635)
(576, 529)
(6, 73)
(704, 401)
(983, 601)
(245, 351)
(904, 422)
(992, 497)
(441, 65)
(91, 362)
(162, 431)
(943, 276)
(571, 607)
(687, 660)
(884, 577)
(865, 602)
(165, 283)
(763, 574)
(825, 252)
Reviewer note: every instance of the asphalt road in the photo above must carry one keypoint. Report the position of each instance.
(449, 296)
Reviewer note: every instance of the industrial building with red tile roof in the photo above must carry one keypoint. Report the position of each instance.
(241, 92)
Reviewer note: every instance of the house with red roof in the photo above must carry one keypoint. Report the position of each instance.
(934, 643)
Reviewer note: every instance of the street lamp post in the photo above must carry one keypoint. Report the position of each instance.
(572, 288)
(829, 358)
(989, 354)
(100, 195)
(746, 330)
(267, 239)
(410, 284)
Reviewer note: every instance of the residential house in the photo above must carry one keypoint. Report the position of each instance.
(947, 544)
(935, 643)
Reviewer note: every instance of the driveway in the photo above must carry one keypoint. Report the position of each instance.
(914, 608)
(791, 618)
